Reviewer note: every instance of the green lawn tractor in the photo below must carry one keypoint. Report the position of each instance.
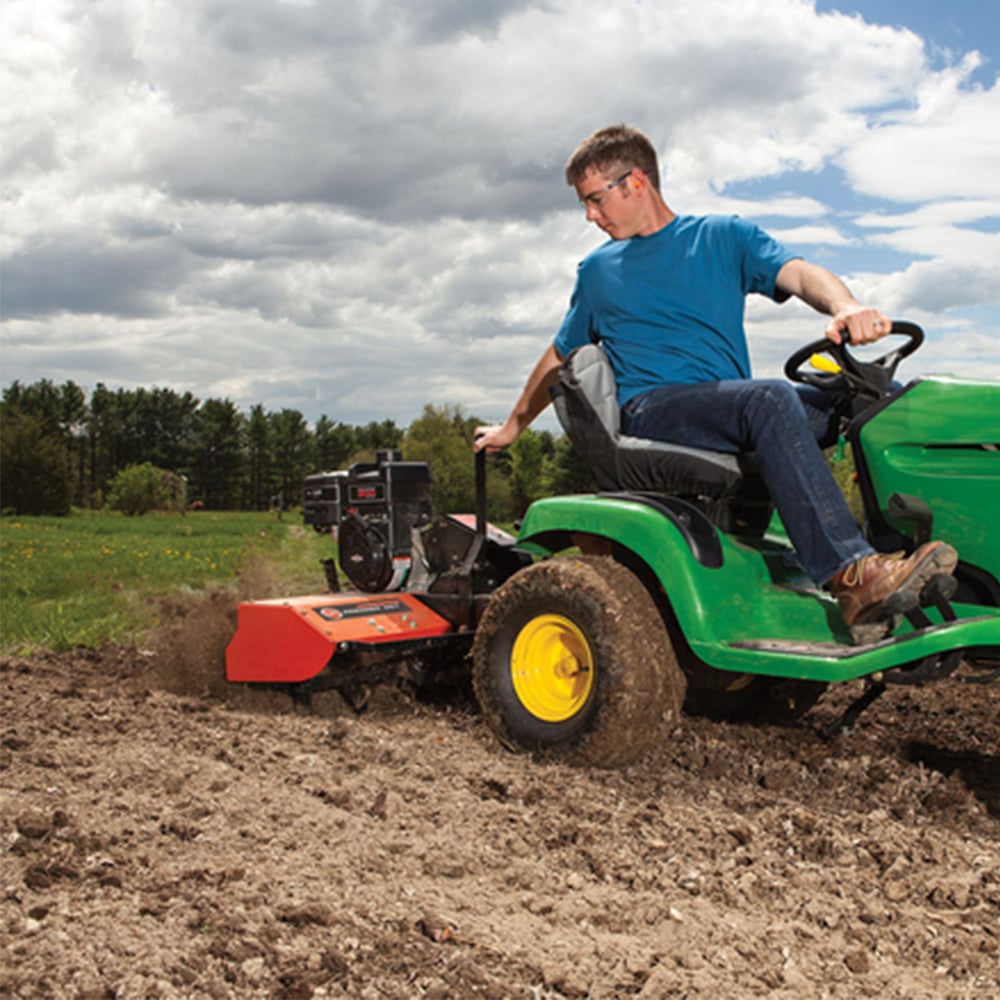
(672, 585)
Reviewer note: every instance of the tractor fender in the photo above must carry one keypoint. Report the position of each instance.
(700, 569)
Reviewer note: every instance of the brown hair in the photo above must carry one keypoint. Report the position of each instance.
(612, 150)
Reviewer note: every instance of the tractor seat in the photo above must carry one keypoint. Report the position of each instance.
(586, 403)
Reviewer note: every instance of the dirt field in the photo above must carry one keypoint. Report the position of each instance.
(163, 841)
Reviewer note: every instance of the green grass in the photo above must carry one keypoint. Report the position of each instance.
(98, 577)
(843, 473)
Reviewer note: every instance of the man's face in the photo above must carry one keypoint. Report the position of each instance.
(609, 204)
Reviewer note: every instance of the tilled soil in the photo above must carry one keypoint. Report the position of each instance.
(164, 838)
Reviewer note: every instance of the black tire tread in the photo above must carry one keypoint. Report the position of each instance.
(640, 686)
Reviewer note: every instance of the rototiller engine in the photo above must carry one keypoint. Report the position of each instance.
(375, 508)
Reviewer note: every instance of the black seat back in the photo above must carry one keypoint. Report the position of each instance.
(586, 403)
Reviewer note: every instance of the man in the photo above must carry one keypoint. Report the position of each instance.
(665, 296)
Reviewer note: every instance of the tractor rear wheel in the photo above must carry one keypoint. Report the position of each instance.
(572, 658)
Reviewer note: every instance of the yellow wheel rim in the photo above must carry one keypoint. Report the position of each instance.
(552, 668)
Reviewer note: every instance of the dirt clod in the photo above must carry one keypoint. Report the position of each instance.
(33, 824)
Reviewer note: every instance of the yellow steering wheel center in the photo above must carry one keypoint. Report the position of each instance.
(552, 668)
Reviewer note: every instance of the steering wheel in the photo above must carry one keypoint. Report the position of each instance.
(848, 376)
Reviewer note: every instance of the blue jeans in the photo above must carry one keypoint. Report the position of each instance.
(784, 426)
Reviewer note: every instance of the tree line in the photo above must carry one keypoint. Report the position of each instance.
(60, 450)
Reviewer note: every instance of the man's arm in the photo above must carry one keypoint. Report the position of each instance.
(534, 398)
(826, 293)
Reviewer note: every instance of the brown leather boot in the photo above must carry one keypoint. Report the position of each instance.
(866, 585)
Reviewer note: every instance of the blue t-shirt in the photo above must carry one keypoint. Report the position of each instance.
(669, 307)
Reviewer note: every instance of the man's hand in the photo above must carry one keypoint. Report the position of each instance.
(492, 437)
(863, 325)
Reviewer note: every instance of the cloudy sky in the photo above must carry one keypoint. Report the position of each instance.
(357, 208)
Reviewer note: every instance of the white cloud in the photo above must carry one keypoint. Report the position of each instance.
(937, 213)
(945, 146)
(358, 208)
(810, 236)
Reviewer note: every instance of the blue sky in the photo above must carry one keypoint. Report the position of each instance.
(958, 26)
(358, 208)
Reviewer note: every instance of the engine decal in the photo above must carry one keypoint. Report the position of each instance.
(363, 609)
